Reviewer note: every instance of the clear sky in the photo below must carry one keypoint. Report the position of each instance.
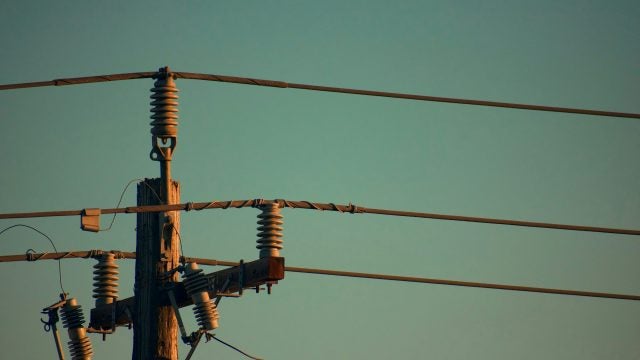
(76, 147)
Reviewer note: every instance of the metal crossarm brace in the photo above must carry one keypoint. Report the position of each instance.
(248, 275)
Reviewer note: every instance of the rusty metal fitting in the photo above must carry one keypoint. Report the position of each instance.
(197, 285)
(164, 109)
(105, 286)
(73, 320)
(270, 230)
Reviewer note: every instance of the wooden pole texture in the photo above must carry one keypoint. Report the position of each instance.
(155, 329)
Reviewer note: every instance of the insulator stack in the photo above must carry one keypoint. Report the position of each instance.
(73, 320)
(105, 286)
(196, 285)
(164, 109)
(270, 230)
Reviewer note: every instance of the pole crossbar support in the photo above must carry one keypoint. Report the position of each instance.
(247, 276)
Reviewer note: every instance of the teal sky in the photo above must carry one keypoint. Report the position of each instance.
(76, 147)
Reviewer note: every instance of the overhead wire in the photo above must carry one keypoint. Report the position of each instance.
(351, 274)
(350, 208)
(283, 84)
(79, 80)
(142, 181)
(31, 251)
(232, 347)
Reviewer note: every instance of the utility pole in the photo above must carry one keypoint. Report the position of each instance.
(157, 293)
(155, 330)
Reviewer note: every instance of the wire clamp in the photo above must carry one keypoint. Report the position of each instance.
(90, 220)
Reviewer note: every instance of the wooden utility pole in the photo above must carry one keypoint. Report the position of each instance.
(155, 330)
(155, 334)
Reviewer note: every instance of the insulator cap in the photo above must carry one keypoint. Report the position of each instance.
(105, 286)
(72, 316)
(81, 349)
(270, 230)
(73, 320)
(196, 285)
(164, 112)
(206, 314)
(194, 279)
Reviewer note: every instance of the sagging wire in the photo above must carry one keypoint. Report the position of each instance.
(211, 336)
(32, 251)
(142, 181)
(208, 336)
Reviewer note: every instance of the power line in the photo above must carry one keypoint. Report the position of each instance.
(305, 270)
(31, 256)
(283, 84)
(142, 181)
(462, 283)
(353, 209)
(80, 80)
(31, 251)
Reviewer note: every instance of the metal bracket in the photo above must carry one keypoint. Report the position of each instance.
(90, 220)
(50, 324)
(176, 309)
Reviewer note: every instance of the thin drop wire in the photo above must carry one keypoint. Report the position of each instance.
(209, 336)
(52, 244)
(173, 227)
(143, 181)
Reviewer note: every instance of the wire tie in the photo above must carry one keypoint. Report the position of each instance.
(353, 208)
(312, 205)
(189, 206)
(207, 206)
(30, 254)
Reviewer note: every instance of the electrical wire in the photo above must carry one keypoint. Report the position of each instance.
(86, 254)
(373, 276)
(462, 283)
(231, 346)
(142, 181)
(350, 208)
(283, 84)
(31, 250)
(80, 80)
(173, 228)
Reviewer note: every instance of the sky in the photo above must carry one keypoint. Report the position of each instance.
(77, 147)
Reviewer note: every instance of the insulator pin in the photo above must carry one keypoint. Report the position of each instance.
(270, 230)
(196, 285)
(105, 286)
(164, 109)
(73, 320)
